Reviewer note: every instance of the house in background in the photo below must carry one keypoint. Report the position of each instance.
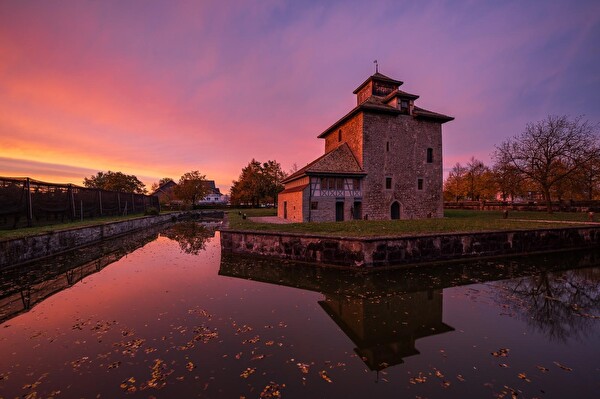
(166, 194)
(383, 160)
(214, 195)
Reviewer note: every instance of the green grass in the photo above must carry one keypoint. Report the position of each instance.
(453, 221)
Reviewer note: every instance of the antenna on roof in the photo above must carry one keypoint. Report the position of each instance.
(376, 66)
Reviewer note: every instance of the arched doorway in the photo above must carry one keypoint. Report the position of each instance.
(395, 211)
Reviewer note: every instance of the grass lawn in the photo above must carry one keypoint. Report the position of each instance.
(453, 221)
(30, 231)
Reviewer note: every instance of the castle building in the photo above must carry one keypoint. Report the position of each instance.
(383, 160)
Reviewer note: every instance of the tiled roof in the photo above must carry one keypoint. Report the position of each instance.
(426, 114)
(371, 104)
(379, 77)
(400, 93)
(341, 160)
(294, 189)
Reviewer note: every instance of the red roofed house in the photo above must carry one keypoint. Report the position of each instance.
(383, 160)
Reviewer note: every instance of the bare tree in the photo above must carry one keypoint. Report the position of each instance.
(550, 150)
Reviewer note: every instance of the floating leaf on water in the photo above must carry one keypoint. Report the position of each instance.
(253, 340)
(200, 312)
(324, 376)
(128, 385)
(159, 375)
(563, 366)
(190, 366)
(303, 367)
(272, 390)
(542, 369)
(114, 365)
(460, 378)
(420, 379)
(502, 352)
(248, 372)
(523, 376)
(503, 365)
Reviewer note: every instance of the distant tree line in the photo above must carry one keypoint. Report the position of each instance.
(557, 158)
(258, 184)
(192, 185)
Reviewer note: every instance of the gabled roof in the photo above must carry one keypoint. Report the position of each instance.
(164, 187)
(378, 104)
(379, 77)
(421, 113)
(401, 94)
(371, 104)
(340, 161)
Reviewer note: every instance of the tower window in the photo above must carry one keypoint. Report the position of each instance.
(340, 135)
(387, 146)
(430, 155)
(419, 184)
(388, 183)
(404, 105)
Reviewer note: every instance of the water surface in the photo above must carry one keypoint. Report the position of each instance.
(167, 315)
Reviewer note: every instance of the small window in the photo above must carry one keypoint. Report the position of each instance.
(388, 183)
(340, 135)
(430, 155)
(387, 146)
(404, 105)
(314, 205)
(356, 184)
(339, 184)
(419, 184)
(323, 183)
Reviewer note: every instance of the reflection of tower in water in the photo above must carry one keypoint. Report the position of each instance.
(385, 329)
(383, 318)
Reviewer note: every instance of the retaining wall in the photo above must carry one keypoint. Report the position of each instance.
(387, 251)
(21, 250)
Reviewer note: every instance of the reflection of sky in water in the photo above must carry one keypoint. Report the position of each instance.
(165, 322)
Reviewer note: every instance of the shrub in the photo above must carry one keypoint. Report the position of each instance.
(151, 211)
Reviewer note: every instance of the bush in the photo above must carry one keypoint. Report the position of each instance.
(151, 211)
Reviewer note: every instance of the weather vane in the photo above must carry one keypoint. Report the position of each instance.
(376, 66)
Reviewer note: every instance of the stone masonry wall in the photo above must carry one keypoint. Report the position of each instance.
(351, 134)
(369, 252)
(20, 250)
(405, 162)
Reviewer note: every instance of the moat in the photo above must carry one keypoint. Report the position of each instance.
(166, 314)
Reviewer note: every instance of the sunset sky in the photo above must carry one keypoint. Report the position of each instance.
(159, 88)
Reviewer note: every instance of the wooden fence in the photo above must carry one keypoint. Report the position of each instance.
(28, 202)
(557, 206)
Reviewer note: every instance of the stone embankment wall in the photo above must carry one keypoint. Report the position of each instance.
(388, 251)
(21, 250)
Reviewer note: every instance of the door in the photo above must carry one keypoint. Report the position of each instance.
(357, 210)
(339, 211)
(395, 212)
